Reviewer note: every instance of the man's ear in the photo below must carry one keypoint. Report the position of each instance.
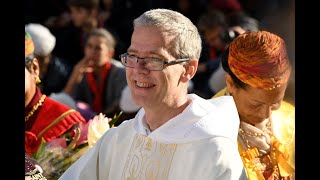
(230, 83)
(190, 70)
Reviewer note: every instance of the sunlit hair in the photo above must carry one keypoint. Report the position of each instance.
(187, 41)
(258, 59)
(101, 32)
(225, 66)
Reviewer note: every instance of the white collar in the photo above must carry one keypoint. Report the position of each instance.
(201, 119)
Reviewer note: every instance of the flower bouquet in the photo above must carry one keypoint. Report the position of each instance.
(55, 157)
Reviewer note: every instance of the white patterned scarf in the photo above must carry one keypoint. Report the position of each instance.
(256, 136)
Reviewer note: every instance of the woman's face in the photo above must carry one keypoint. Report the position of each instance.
(97, 51)
(30, 74)
(28, 80)
(255, 105)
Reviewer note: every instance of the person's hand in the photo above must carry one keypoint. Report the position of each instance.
(84, 66)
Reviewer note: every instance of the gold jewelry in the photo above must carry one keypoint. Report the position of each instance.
(250, 133)
(273, 152)
(274, 161)
(35, 107)
(268, 131)
(38, 80)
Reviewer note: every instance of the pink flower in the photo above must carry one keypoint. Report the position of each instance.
(56, 155)
(61, 142)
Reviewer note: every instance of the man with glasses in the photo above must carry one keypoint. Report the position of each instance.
(175, 135)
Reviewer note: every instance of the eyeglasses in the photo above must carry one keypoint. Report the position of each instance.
(152, 64)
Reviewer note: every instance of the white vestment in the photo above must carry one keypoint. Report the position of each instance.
(198, 144)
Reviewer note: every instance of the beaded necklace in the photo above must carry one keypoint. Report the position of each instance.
(35, 107)
(272, 154)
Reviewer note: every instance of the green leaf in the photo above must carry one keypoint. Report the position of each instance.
(40, 150)
(115, 119)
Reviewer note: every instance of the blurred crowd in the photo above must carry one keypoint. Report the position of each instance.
(78, 44)
(76, 52)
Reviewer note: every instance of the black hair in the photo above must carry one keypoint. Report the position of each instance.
(211, 19)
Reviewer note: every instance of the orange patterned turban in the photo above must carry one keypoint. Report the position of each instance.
(259, 59)
(28, 43)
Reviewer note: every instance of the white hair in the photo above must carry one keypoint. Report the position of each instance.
(187, 41)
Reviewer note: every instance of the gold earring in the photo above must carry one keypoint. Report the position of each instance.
(38, 80)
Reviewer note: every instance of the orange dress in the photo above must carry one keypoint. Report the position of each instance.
(280, 162)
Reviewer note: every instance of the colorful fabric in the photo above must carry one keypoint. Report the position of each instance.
(50, 120)
(283, 126)
(28, 44)
(283, 129)
(259, 59)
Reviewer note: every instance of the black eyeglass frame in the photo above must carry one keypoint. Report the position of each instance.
(165, 63)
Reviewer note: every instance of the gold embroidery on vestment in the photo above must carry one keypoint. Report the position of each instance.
(148, 159)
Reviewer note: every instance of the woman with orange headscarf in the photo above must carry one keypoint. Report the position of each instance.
(45, 118)
(258, 71)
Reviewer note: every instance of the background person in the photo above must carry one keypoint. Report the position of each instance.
(54, 70)
(45, 118)
(98, 79)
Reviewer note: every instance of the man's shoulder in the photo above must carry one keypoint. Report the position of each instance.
(117, 64)
(125, 127)
(224, 104)
(119, 134)
(222, 101)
